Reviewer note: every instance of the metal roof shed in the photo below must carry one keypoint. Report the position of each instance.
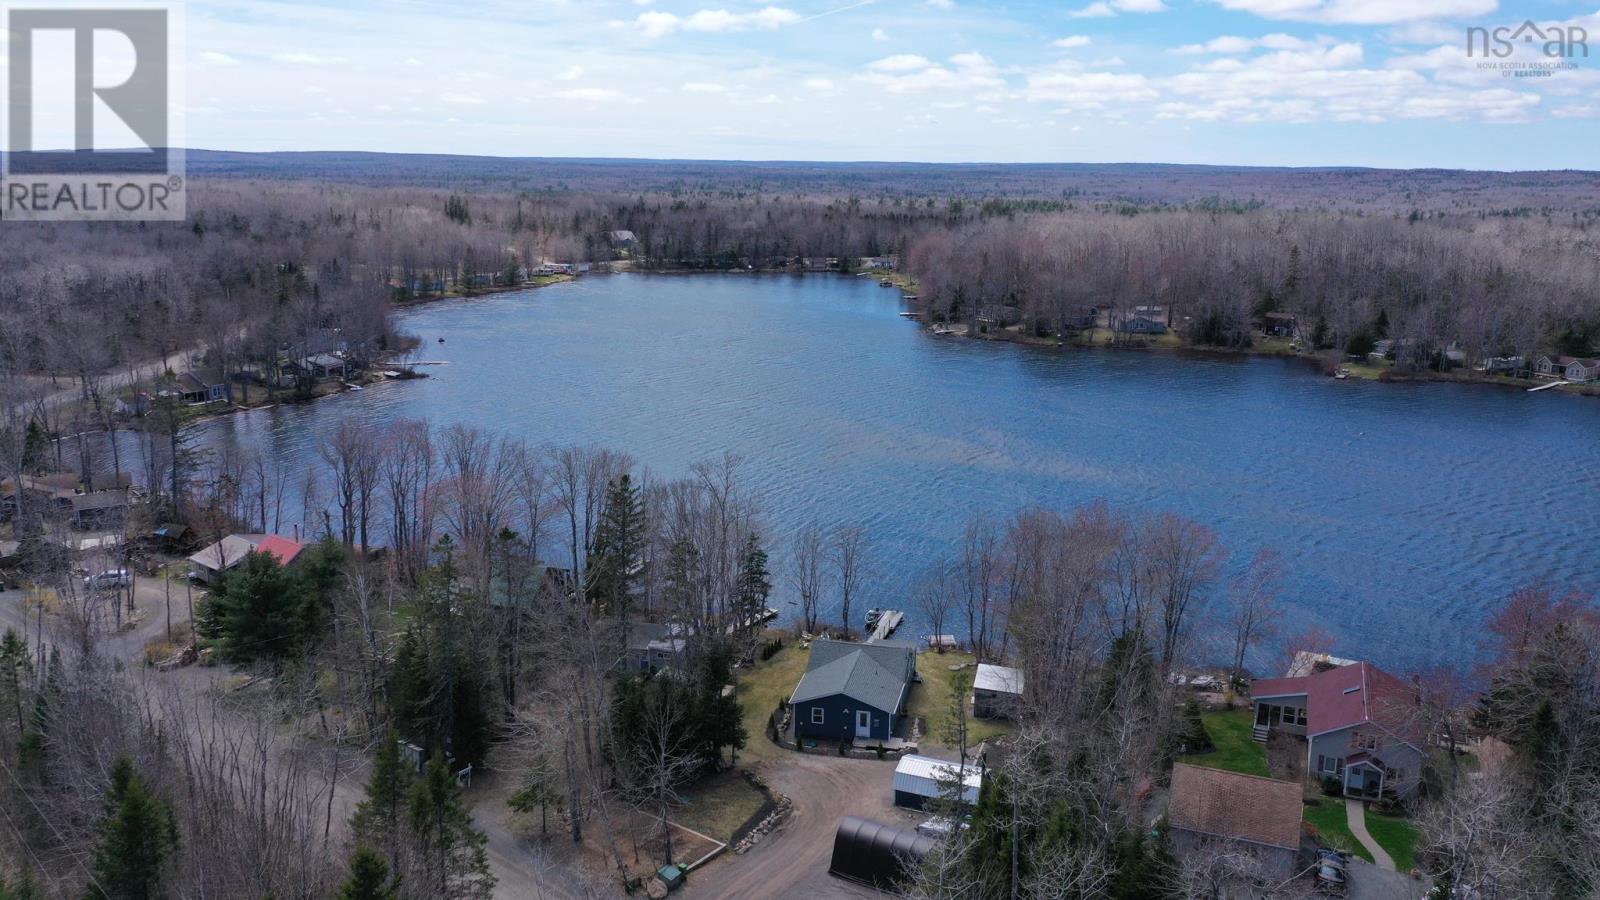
(916, 780)
(876, 854)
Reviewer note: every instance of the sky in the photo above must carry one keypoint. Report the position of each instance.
(1253, 82)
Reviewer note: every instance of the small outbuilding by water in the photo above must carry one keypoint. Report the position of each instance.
(996, 691)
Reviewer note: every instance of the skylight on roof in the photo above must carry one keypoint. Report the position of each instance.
(1351, 690)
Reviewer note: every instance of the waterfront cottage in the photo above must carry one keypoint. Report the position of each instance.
(653, 646)
(1362, 726)
(853, 691)
(996, 691)
(224, 555)
(1571, 368)
(1213, 809)
(203, 386)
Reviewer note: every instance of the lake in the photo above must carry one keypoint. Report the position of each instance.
(1401, 511)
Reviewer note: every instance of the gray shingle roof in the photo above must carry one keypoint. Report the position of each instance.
(874, 674)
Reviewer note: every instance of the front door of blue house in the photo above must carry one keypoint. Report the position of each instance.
(863, 723)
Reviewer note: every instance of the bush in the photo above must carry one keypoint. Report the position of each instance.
(771, 648)
(1332, 786)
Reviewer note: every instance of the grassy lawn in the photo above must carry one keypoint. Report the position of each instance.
(1236, 750)
(1328, 817)
(760, 689)
(718, 805)
(931, 698)
(1396, 835)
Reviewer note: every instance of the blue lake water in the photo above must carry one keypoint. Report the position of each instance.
(1400, 511)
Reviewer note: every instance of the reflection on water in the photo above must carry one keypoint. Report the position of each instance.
(1399, 510)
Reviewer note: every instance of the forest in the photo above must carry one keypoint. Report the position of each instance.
(452, 649)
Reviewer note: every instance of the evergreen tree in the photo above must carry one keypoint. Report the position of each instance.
(1380, 325)
(138, 834)
(256, 610)
(452, 853)
(615, 553)
(369, 878)
(35, 449)
(15, 667)
(379, 818)
(755, 582)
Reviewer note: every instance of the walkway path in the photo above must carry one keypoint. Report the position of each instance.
(1355, 813)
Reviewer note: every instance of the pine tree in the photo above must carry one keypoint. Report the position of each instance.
(369, 878)
(755, 582)
(453, 855)
(616, 548)
(379, 818)
(15, 666)
(138, 835)
(257, 608)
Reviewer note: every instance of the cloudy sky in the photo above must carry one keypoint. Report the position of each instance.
(1294, 82)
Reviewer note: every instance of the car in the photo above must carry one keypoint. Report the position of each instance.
(111, 578)
(1333, 869)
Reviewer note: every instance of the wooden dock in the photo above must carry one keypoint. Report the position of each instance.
(887, 623)
(1546, 387)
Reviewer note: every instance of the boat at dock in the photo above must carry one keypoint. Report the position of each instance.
(885, 283)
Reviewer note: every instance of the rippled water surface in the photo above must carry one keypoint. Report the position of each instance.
(1400, 511)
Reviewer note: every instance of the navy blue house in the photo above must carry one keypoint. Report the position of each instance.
(853, 692)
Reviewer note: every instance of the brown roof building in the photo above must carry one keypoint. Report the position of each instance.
(1213, 805)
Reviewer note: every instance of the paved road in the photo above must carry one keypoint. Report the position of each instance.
(793, 862)
(1368, 882)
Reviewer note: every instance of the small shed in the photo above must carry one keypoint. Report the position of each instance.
(875, 854)
(996, 691)
(917, 781)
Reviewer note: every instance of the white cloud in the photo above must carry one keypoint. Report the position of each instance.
(715, 21)
(878, 34)
(1362, 12)
(571, 74)
(592, 95)
(470, 99)
(1102, 9)
(307, 59)
(942, 4)
(705, 87)
(413, 62)
(818, 84)
(900, 62)
(1423, 33)
(209, 57)
(1575, 112)
(907, 73)
(1070, 41)
(657, 24)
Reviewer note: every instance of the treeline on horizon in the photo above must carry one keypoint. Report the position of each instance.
(262, 263)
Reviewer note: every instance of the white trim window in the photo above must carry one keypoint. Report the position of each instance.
(817, 715)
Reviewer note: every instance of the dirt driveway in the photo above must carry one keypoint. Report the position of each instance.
(793, 862)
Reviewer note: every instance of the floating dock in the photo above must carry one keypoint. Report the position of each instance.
(887, 623)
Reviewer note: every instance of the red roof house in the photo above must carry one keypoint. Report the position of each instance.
(1361, 725)
(281, 548)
